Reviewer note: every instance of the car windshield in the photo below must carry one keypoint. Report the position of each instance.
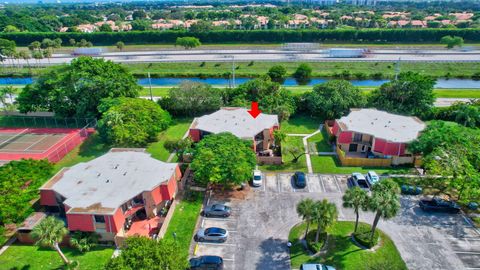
(218, 207)
(215, 230)
(257, 177)
(362, 183)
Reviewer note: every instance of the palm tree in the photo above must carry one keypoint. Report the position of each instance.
(384, 201)
(305, 210)
(50, 232)
(357, 199)
(324, 214)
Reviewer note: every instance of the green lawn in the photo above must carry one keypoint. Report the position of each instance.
(288, 165)
(300, 124)
(320, 69)
(33, 258)
(91, 148)
(330, 164)
(319, 142)
(174, 132)
(184, 220)
(343, 254)
(157, 91)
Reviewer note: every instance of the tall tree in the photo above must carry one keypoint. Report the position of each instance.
(131, 122)
(192, 98)
(75, 90)
(410, 94)
(357, 199)
(146, 253)
(188, 42)
(50, 233)
(212, 159)
(324, 214)
(384, 201)
(305, 210)
(334, 99)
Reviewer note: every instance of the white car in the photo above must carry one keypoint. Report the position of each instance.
(372, 177)
(257, 178)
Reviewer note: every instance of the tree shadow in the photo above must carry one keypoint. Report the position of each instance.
(275, 254)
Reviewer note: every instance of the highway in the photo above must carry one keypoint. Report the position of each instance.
(266, 55)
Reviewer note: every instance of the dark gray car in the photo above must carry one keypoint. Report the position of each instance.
(217, 210)
(212, 234)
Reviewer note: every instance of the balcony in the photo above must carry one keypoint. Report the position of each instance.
(146, 227)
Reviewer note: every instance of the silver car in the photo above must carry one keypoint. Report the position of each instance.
(313, 266)
(213, 234)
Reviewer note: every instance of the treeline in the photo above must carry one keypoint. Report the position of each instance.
(239, 36)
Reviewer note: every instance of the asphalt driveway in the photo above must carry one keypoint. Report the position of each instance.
(260, 225)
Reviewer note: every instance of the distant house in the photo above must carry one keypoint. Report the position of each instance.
(241, 124)
(125, 192)
(369, 134)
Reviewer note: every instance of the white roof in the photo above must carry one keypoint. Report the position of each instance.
(105, 183)
(383, 125)
(236, 121)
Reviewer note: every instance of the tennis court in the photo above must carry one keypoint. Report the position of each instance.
(39, 143)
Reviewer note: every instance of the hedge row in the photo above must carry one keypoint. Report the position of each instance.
(252, 36)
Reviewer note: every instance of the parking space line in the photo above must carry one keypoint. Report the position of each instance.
(228, 260)
(336, 182)
(278, 184)
(467, 252)
(321, 183)
(215, 244)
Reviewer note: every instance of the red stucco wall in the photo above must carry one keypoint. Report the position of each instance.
(379, 145)
(335, 128)
(117, 221)
(345, 137)
(168, 190)
(392, 149)
(157, 195)
(194, 134)
(47, 197)
(80, 222)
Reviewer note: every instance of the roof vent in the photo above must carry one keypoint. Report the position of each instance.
(116, 166)
(98, 175)
(125, 173)
(108, 181)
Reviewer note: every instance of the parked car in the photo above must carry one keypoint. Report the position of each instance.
(217, 210)
(213, 234)
(299, 179)
(358, 180)
(372, 178)
(206, 262)
(439, 205)
(257, 178)
(411, 190)
(316, 266)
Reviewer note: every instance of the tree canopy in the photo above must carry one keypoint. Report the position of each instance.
(19, 183)
(271, 97)
(410, 94)
(277, 73)
(75, 90)
(146, 253)
(131, 121)
(452, 151)
(192, 98)
(334, 99)
(213, 156)
(188, 42)
(451, 42)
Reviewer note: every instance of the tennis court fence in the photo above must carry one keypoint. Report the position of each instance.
(15, 121)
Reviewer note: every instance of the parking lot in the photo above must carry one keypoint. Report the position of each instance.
(259, 226)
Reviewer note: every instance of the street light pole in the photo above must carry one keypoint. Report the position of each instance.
(150, 83)
(233, 71)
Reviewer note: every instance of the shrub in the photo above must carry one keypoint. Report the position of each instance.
(311, 245)
(362, 236)
(377, 76)
(84, 241)
(304, 71)
(202, 64)
(251, 63)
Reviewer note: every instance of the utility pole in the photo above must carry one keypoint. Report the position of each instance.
(397, 68)
(150, 83)
(233, 71)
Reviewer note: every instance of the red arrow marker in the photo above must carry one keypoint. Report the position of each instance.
(254, 111)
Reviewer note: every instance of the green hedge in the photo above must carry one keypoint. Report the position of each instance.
(362, 236)
(311, 245)
(242, 36)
